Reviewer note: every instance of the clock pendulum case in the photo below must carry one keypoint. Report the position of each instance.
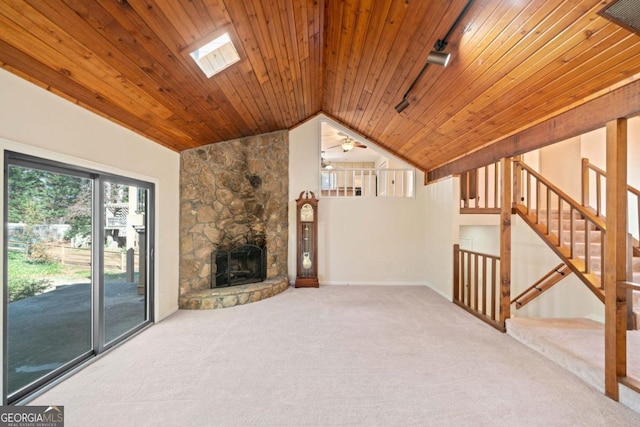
(307, 240)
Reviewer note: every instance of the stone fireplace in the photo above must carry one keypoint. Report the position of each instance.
(244, 264)
(233, 194)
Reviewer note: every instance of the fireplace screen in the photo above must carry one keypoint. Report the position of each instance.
(244, 264)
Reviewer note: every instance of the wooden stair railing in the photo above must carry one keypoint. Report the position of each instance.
(480, 190)
(600, 177)
(476, 279)
(543, 284)
(547, 210)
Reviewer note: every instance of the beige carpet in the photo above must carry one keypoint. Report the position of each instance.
(334, 356)
(578, 346)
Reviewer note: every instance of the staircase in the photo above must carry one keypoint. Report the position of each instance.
(575, 233)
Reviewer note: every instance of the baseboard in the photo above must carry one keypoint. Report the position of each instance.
(161, 317)
(595, 317)
(439, 292)
(350, 283)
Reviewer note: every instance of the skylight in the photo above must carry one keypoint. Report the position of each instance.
(216, 55)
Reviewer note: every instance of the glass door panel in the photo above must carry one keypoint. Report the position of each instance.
(125, 301)
(49, 264)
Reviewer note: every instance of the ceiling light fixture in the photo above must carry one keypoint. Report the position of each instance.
(347, 144)
(436, 57)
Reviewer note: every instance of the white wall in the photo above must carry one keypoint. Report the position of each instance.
(531, 259)
(442, 219)
(593, 147)
(36, 122)
(363, 240)
(481, 238)
(561, 164)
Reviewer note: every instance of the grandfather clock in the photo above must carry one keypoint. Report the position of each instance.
(307, 236)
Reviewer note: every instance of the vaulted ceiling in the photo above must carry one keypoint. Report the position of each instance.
(514, 63)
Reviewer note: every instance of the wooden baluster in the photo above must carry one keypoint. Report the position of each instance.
(468, 281)
(475, 282)
(494, 291)
(484, 285)
(496, 185)
(587, 246)
(456, 272)
(572, 233)
(486, 186)
(598, 193)
(560, 221)
(585, 182)
(528, 175)
(548, 208)
(537, 201)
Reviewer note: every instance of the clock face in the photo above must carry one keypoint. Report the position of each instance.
(306, 213)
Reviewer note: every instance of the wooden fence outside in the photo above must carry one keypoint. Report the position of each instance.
(66, 255)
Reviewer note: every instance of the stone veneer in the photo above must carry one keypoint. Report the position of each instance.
(233, 193)
(208, 299)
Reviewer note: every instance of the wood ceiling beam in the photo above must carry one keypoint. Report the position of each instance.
(623, 102)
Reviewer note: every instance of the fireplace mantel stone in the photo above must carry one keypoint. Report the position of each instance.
(209, 299)
(232, 193)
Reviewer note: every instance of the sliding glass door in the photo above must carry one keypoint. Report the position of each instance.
(124, 298)
(77, 277)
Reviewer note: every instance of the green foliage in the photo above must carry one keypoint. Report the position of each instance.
(37, 254)
(42, 197)
(24, 287)
(19, 265)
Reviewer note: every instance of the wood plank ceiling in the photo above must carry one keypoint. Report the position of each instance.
(514, 63)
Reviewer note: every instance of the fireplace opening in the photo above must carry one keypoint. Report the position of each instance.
(244, 264)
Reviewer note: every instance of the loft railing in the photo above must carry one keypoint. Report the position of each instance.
(547, 209)
(600, 181)
(476, 279)
(480, 190)
(362, 182)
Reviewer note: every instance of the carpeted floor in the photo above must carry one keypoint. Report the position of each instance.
(578, 346)
(333, 356)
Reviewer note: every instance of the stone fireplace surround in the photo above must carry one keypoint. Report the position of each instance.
(233, 193)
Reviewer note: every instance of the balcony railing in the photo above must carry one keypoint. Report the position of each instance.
(367, 183)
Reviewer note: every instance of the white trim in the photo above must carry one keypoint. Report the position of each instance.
(439, 292)
(351, 283)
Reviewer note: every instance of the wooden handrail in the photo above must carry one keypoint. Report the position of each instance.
(629, 285)
(564, 196)
(586, 189)
(543, 284)
(542, 192)
(589, 165)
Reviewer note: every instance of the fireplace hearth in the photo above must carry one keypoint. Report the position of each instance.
(238, 266)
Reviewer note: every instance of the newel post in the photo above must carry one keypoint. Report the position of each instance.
(615, 258)
(505, 241)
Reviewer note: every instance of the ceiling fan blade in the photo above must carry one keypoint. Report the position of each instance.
(357, 144)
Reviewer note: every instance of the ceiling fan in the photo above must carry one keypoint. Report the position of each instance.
(349, 144)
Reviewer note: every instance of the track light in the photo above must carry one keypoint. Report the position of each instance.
(439, 58)
(402, 105)
(436, 57)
